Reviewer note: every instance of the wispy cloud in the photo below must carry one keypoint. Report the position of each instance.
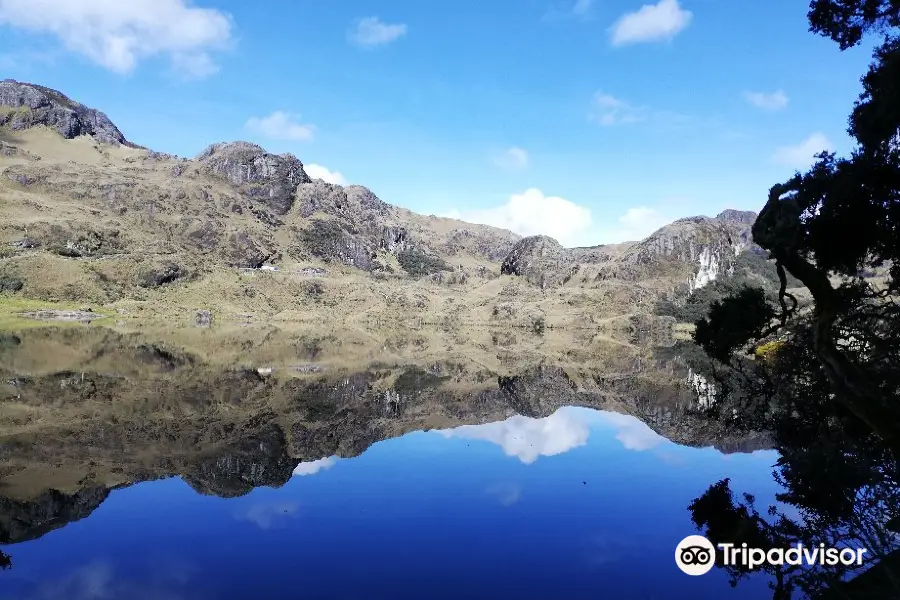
(282, 125)
(512, 159)
(569, 9)
(802, 155)
(767, 101)
(506, 494)
(608, 110)
(582, 7)
(267, 515)
(118, 35)
(651, 23)
(372, 31)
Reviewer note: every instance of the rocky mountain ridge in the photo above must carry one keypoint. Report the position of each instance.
(91, 217)
(25, 105)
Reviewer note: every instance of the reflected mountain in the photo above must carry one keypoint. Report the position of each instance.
(87, 410)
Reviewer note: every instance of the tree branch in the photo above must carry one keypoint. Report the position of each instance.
(778, 230)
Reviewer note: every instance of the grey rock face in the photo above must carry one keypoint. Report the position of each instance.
(320, 197)
(36, 105)
(204, 235)
(540, 260)
(161, 274)
(366, 200)
(245, 252)
(747, 217)
(268, 178)
(261, 460)
(23, 521)
(330, 241)
(395, 239)
(203, 318)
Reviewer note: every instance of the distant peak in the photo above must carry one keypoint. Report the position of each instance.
(747, 217)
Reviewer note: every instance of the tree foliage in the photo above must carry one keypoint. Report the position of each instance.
(830, 390)
(839, 219)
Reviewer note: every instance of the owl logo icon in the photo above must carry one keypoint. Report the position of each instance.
(695, 555)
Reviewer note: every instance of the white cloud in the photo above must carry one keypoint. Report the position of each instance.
(528, 439)
(774, 101)
(639, 222)
(512, 159)
(533, 213)
(314, 466)
(651, 23)
(117, 34)
(802, 155)
(319, 172)
(634, 434)
(582, 7)
(194, 66)
(371, 32)
(282, 126)
(608, 110)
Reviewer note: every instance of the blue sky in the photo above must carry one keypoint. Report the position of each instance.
(592, 121)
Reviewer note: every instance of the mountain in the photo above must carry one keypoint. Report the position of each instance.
(107, 410)
(91, 218)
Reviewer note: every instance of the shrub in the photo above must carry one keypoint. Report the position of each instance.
(313, 289)
(10, 284)
(417, 263)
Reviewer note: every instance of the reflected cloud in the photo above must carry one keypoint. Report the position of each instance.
(266, 515)
(603, 550)
(314, 466)
(506, 494)
(98, 581)
(527, 438)
(633, 434)
(672, 459)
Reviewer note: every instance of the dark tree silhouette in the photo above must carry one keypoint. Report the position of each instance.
(828, 385)
(836, 221)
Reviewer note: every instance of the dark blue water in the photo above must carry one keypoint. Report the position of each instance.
(581, 504)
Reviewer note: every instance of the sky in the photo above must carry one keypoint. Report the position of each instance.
(592, 121)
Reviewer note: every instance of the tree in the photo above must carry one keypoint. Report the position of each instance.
(828, 381)
(837, 220)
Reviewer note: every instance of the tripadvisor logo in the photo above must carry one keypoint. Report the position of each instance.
(696, 555)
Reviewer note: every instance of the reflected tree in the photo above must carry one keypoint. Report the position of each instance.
(825, 381)
(5, 561)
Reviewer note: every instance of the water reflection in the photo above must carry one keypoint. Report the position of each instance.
(527, 438)
(314, 466)
(140, 470)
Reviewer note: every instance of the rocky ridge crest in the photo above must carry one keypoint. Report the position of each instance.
(24, 105)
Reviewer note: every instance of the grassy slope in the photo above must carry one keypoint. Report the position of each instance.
(90, 174)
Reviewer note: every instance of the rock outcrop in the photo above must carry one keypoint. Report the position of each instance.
(331, 241)
(23, 521)
(745, 217)
(24, 105)
(541, 260)
(267, 178)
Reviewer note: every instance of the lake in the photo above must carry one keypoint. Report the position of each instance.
(133, 471)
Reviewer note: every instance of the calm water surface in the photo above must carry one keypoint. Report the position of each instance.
(581, 504)
(131, 470)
